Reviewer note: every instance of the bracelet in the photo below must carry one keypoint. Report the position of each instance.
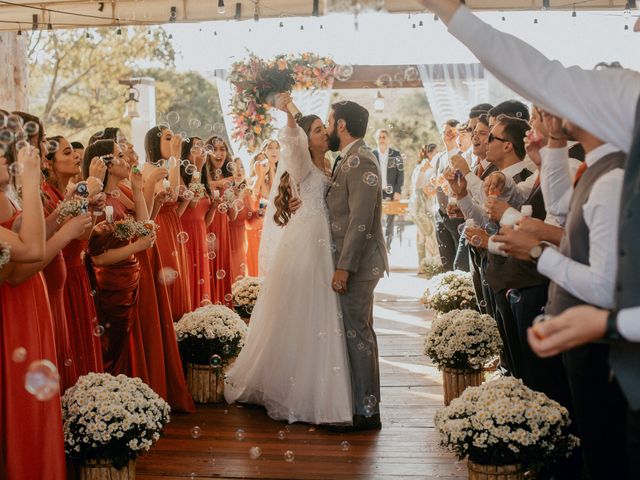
(611, 333)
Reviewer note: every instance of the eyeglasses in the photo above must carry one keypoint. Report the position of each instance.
(492, 137)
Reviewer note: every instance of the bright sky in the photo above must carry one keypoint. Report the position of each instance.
(585, 40)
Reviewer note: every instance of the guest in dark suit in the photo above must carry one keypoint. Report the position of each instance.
(392, 172)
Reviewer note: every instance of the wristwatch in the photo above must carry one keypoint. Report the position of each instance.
(536, 251)
(612, 333)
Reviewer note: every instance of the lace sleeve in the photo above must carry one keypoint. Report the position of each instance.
(295, 156)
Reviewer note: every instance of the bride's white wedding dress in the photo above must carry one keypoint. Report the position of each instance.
(295, 360)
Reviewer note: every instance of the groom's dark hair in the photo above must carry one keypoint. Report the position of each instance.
(355, 116)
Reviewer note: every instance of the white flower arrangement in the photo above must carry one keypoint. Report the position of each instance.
(129, 228)
(503, 422)
(245, 294)
(72, 208)
(450, 291)
(5, 253)
(212, 330)
(198, 190)
(430, 267)
(463, 339)
(111, 418)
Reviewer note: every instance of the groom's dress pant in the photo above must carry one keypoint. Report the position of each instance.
(357, 315)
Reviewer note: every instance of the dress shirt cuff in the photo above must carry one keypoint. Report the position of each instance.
(495, 247)
(549, 259)
(629, 324)
(510, 217)
(465, 203)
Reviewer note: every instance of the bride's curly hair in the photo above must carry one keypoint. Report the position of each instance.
(281, 201)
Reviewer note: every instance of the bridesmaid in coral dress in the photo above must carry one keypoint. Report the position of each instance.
(163, 363)
(163, 148)
(61, 166)
(220, 170)
(29, 425)
(195, 217)
(114, 268)
(244, 206)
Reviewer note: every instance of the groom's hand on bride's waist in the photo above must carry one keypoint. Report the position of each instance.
(339, 282)
(294, 204)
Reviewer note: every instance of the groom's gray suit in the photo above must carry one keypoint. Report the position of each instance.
(355, 211)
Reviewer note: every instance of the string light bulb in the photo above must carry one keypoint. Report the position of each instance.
(101, 6)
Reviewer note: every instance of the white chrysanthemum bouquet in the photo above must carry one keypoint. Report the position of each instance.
(503, 422)
(111, 418)
(430, 267)
(450, 291)
(5, 253)
(245, 294)
(211, 335)
(463, 339)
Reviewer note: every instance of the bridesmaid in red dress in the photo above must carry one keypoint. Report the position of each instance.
(60, 166)
(163, 148)
(158, 336)
(195, 217)
(31, 438)
(220, 170)
(244, 205)
(115, 270)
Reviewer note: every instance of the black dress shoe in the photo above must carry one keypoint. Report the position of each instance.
(360, 424)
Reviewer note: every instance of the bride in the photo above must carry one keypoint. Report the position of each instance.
(295, 352)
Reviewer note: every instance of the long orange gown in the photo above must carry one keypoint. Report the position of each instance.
(221, 263)
(116, 300)
(32, 438)
(55, 274)
(78, 304)
(161, 353)
(238, 234)
(199, 266)
(254, 232)
(173, 255)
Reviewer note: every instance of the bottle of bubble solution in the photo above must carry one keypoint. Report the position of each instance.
(525, 211)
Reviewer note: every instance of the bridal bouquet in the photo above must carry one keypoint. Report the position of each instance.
(129, 228)
(72, 208)
(450, 291)
(245, 294)
(211, 335)
(462, 339)
(5, 254)
(198, 190)
(111, 418)
(503, 422)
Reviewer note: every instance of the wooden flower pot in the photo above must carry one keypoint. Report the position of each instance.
(455, 382)
(104, 470)
(205, 383)
(494, 472)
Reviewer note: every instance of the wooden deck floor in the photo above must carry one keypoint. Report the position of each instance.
(406, 448)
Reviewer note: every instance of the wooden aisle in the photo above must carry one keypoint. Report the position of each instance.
(406, 448)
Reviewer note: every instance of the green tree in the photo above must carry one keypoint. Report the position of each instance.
(192, 97)
(74, 75)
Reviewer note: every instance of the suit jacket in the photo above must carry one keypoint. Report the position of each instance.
(354, 200)
(395, 172)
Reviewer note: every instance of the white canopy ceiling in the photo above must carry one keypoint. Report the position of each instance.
(91, 13)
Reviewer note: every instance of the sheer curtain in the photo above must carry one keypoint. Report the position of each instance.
(452, 89)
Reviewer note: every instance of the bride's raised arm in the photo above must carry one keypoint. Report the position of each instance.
(295, 157)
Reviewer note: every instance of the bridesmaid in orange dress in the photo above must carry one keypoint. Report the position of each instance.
(31, 438)
(220, 170)
(163, 149)
(244, 206)
(163, 362)
(195, 217)
(115, 270)
(60, 167)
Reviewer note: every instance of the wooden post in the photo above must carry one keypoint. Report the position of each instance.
(14, 73)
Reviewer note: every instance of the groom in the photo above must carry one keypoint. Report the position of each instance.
(354, 200)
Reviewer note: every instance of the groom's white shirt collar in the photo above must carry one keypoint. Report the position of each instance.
(346, 149)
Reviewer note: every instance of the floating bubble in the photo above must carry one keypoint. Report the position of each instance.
(345, 446)
(190, 169)
(6, 136)
(226, 349)
(52, 146)
(369, 236)
(482, 304)
(289, 457)
(205, 302)
(541, 318)
(22, 144)
(336, 369)
(255, 453)
(220, 274)
(223, 208)
(375, 271)
(98, 330)
(218, 128)
(16, 169)
(370, 179)
(476, 241)
(188, 195)
(353, 161)
(42, 380)
(194, 123)
(173, 117)
(19, 355)
(238, 205)
(335, 226)
(239, 434)
(215, 361)
(167, 275)
(211, 237)
(491, 228)
(344, 72)
(196, 432)
(411, 74)
(183, 237)
(368, 411)
(228, 297)
(388, 189)
(68, 362)
(345, 167)
(461, 228)
(514, 296)
(351, 334)
(360, 346)
(115, 193)
(281, 435)
(384, 81)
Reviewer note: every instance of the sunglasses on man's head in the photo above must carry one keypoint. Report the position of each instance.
(492, 137)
